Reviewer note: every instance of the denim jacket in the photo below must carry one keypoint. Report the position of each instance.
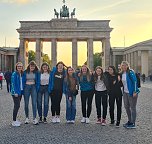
(37, 80)
(15, 84)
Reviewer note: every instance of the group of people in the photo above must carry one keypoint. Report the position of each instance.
(109, 86)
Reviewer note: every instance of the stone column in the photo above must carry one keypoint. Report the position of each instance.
(132, 60)
(5, 62)
(54, 52)
(106, 47)
(15, 61)
(114, 60)
(23, 52)
(136, 61)
(139, 61)
(39, 49)
(74, 53)
(90, 53)
(149, 62)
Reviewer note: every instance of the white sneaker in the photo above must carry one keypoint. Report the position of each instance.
(83, 120)
(35, 121)
(15, 124)
(54, 119)
(87, 120)
(27, 121)
(18, 121)
(72, 121)
(68, 121)
(58, 120)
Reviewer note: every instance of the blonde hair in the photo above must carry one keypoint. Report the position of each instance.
(87, 74)
(18, 64)
(125, 63)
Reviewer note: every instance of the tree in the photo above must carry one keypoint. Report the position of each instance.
(97, 59)
(31, 55)
(46, 58)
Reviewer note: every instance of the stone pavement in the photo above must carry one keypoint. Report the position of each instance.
(78, 133)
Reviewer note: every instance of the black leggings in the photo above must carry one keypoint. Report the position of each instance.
(112, 98)
(56, 97)
(86, 97)
(101, 96)
(17, 101)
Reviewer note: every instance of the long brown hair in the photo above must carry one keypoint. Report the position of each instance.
(87, 74)
(95, 74)
(45, 64)
(33, 63)
(67, 74)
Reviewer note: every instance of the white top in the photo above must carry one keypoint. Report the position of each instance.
(100, 86)
(124, 81)
(45, 79)
(21, 84)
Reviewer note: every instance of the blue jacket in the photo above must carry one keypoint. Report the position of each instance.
(85, 85)
(15, 84)
(37, 80)
(51, 79)
(132, 83)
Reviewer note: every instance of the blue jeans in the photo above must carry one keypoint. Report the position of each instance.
(43, 91)
(70, 108)
(30, 90)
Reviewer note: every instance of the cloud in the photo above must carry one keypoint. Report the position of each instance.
(18, 1)
(106, 7)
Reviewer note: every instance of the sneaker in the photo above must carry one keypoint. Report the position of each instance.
(54, 119)
(18, 121)
(126, 124)
(87, 120)
(58, 120)
(27, 121)
(103, 123)
(117, 124)
(83, 120)
(98, 121)
(68, 121)
(35, 121)
(15, 124)
(112, 122)
(72, 121)
(44, 120)
(131, 126)
(40, 120)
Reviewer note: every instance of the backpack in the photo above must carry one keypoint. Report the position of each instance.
(138, 79)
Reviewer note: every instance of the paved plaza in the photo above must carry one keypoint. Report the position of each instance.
(76, 133)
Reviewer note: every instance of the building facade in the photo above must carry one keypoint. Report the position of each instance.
(8, 58)
(139, 56)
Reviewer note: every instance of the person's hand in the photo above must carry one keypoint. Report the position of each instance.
(70, 98)
(119, 78)
(134, 94)
(16, 95)
(114, 82)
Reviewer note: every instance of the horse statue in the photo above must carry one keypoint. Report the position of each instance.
(56, 13)
(73, 13)
(64, 12)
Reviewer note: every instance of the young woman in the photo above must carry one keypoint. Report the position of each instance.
(130, 94)
(87, 92)
(115, 94)
(43, 90)
(17, 91)
(71, 90)
(101, 86)
(31, 84)
(56, 88)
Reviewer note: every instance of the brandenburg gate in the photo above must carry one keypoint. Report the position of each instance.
(65, 28)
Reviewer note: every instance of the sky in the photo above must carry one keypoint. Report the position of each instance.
(131, 20)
